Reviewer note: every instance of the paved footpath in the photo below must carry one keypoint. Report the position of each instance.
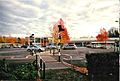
(51, 62)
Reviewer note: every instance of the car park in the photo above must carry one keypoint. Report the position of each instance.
(35, 48)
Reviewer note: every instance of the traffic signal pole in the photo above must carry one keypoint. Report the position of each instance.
(59, 54)
(59, 38)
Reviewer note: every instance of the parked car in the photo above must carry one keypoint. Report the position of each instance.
(35, 48)
(89, 45)
(51, 46)
(69, 46)
(5, 46)
(95, 46)
(24, 46)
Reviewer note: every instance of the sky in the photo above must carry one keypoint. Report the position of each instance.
(81, 17)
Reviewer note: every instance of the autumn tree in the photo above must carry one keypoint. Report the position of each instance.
(1, 40)
(62, 30)
(102, 36)
(18, 40)
(22, 41)
(12, 40)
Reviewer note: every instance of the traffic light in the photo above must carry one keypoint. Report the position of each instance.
(60, 28)
(31, 39)
(59, 37)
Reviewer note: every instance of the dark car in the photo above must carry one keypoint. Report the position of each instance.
(24, 46)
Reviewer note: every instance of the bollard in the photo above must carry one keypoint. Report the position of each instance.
(41, 68)
(40, 63)
(37, 67)
(36, 62)
(53, 51)
(59, 56)
(50, 50)
(114, 47)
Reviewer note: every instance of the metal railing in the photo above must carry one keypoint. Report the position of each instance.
(41, 66)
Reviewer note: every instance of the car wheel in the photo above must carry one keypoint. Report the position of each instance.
(64, 48)
(40, 50)
(29, 50)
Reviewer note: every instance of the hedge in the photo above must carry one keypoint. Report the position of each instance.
(103, 66)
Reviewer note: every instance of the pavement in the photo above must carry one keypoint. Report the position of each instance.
(50, 61)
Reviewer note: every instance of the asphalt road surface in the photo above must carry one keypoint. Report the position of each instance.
(77, 54)
(15, 54)
(80, 52)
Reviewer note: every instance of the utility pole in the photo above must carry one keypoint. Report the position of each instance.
(119, 35)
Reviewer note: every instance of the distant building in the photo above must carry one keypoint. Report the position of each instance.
(84, 41)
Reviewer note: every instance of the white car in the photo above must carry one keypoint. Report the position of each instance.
(69, 46)
(51, 46)
(35, 48)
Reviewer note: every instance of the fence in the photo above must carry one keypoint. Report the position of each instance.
(40, 66)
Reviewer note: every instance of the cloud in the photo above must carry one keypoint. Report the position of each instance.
(36, 16)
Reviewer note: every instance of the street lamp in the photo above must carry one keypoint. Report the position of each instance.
(119, 34)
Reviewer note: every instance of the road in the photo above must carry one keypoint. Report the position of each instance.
(21, 53)
(15, 54)
(80, 52)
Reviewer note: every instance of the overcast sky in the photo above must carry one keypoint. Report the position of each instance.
(81, 17)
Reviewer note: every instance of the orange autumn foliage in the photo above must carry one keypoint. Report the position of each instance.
(103, 35)
(64, 34)
(11, 40)
(1, 40)
(22, 41)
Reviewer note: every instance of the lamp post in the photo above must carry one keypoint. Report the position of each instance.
(119, 34)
